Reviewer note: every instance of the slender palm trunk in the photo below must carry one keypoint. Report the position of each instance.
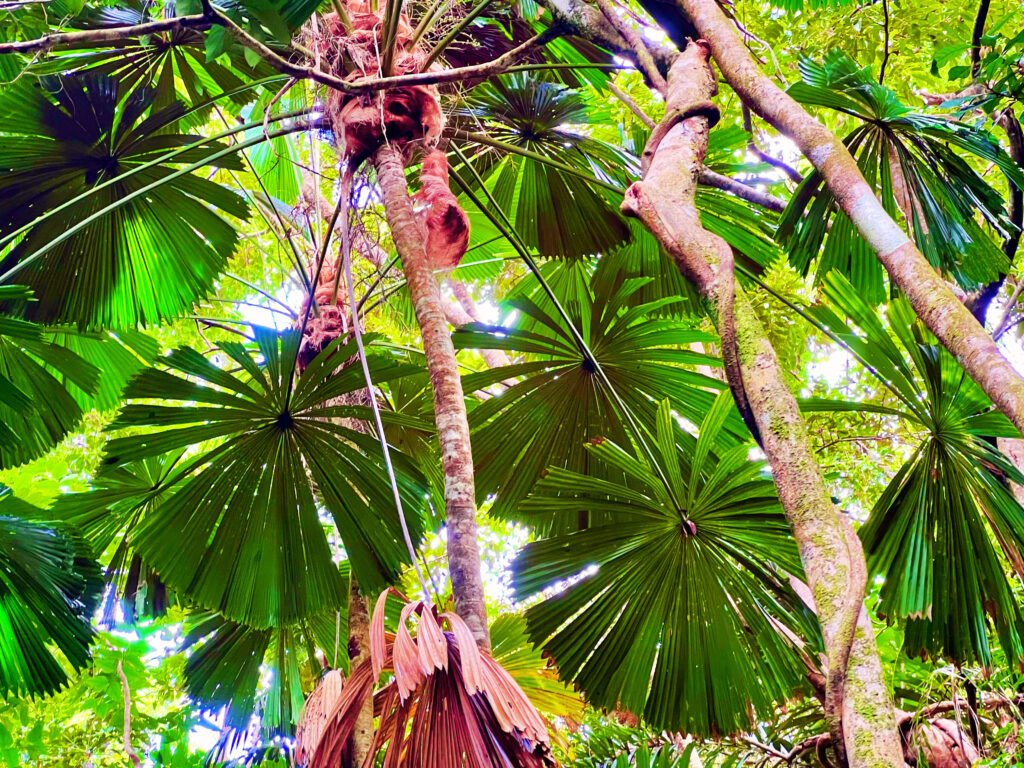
(909, 270)
(861, 711)
(358, 652)
(449, 401)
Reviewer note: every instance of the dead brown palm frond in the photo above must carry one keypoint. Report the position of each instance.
(448, 704)
(316, 714)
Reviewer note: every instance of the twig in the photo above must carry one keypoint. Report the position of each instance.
(976, 34)
(464, 22)
(625, 98)
(763, 156)
(1004, 321)
(885, 26)
(126, 692)
(751, 194)
(765, 748)
(472, 72)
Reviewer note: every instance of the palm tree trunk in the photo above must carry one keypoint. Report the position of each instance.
(449, 401)
(358, 652)
(860, 710)
(928, 293)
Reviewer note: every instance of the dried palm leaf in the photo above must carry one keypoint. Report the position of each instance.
(448, 704)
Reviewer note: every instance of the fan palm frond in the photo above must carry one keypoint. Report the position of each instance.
(561, 402)
(147, 261)
(946, 523)
(242, 533)
(48, 591)
(670, 607)
(912, 161)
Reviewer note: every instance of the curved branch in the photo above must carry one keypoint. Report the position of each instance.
(976, 34)
(107, 35)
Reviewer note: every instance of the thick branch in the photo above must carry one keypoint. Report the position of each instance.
(587, 21)
(664, 201)
(930, 296)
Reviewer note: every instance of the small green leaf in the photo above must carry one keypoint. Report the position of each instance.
(217, 40)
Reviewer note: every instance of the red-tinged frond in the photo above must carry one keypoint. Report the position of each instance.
(316, 714)
(433, 647)
(378, 644)
(472, 668)
(449, 705)
(408, 672)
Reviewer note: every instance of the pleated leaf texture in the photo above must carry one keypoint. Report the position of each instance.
(670, 604)
(242, 532)
(947, 528)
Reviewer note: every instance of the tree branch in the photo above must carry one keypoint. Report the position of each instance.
(753, 195)
(976, 35)
(885, 27)
(624, 97)
(763, 156)
(107, 35)
(113, 36)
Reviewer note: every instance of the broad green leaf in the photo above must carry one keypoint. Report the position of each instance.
(48, 591)
(248, 508)
(664, 611)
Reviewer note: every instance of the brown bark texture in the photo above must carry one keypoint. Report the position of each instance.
(862, 716)
(930, 296)
(449, 402)
(359, 652)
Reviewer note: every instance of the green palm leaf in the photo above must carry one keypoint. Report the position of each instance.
(531, 114)
(107, 516)
(671, 606)
(48, 592)
(229, 662)
(37, 409)
(242, 535)
(146, 261)
(940, 530)
(909, 159)
(560, 403)
(165, 61)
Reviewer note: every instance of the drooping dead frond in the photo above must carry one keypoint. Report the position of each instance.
(316, 714)
(449, 705)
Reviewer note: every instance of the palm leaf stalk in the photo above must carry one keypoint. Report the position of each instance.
(833, 563)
